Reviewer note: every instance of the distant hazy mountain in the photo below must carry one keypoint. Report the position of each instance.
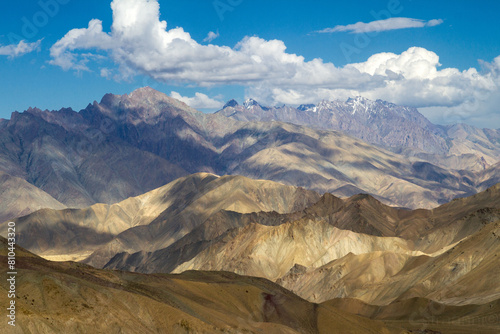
(19, 198)
(127, 145)
(385, 124)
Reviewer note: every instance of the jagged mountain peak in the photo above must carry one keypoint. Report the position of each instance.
(148, 93)
(143, 104)
(250, 103)
(327, 104)
(231, 103)
(45, 113)
(141, 94)
(144, 96)
(33, 110)
(359, 99)
(307, 107)
(378, 122)
(363, 105)
(146, 90)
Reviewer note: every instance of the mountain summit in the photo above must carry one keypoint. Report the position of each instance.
(231, 103)
(400, 128)
(377, 122)
(142, 105)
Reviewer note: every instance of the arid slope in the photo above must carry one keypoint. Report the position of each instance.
(153, 220)
(354, 248)
(68, 297)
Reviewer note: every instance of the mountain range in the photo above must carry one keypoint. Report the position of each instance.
(152, 220)
(68, 297)
(398, 128)
(350, 217)
(144, 140)
(286, 234)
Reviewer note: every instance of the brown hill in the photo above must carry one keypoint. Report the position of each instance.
(75, 298)
(464, 274)
(66, 297)
(153, 220)
(427, 231)
(420, 314)
(356, 248)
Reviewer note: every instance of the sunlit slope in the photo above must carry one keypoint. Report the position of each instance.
(153, 220)
(65, 297)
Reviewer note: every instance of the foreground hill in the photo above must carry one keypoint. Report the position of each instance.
(427, 316)
(74, 298)
(66, 297)
(141, 141)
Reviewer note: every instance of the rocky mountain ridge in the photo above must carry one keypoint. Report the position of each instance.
(143, 140)
(383, 123)
(50, 293)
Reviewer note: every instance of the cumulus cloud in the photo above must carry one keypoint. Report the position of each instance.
(198, 101)
(85, 38)
(139, 43)
(17, 50)
(393, 23)
(414, 78)
(211, 36)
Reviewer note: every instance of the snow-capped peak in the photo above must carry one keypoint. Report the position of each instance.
(307, 107)
(361, 104)
(250, 103)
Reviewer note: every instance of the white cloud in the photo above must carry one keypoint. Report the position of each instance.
(433, 23)
(392, 23)
(211, 36)
(17, 50)
(86, 38)
(139, 43)
(198, 101)
(414, 78)
(106, 73)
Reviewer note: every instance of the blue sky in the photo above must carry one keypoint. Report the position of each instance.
(418, 53)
